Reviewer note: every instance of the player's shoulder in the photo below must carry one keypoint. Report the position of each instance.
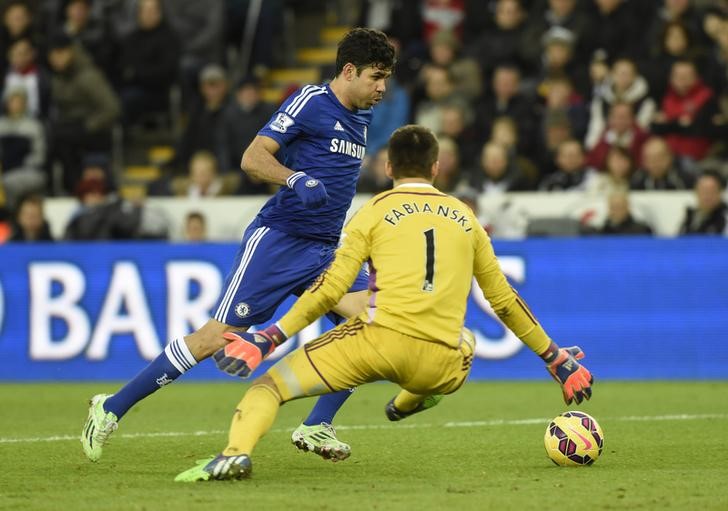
(304, 99)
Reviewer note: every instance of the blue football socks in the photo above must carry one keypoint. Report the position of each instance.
(326, 407)
(173, 362)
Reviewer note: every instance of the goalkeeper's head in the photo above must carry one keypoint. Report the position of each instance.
(412, 154)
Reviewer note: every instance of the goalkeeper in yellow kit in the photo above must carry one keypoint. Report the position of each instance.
(423, 248)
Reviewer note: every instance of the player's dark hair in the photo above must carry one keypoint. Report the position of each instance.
(412, 151)
(365, 47)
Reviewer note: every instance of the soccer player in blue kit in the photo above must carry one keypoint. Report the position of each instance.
(313, 146)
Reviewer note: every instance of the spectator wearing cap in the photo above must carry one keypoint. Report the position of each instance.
(30, 224)
(84, 108)
(572, 173)
(92, 34)
(623, 84)
(710, 215)
(658, 170)
(501, 43)
(621, 131)
(508, 100)
(245, 114)
(149, 62)
(564, 14)
(25, 72)
(558, 60)
(687, 114)
(205, 130)
(22, 147)
(619, 217)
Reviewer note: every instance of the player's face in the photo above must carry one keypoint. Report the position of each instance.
(369, 86)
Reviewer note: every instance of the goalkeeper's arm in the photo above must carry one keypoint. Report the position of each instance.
(575, 380)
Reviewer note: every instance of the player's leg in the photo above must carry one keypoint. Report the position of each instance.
(245, 301)
(292, 377)
(181, 355)
(441, 371)
(316, 434)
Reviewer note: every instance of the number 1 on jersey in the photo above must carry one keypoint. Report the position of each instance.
(429, 284)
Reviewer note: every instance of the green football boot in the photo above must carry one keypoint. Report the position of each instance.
(219, 468)
(100, 424)
(320, 439)
(394, 414)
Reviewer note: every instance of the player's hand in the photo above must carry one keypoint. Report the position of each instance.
(574, 378)
(311, 191)
(245, 351)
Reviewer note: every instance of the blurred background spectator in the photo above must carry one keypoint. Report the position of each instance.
(83, 111)
(30, 224)
(710, 216)
(195, 229)
(102, 215)
(594, 95)
(148, 61)
(659, 170)
(619, 218)
(22, 147)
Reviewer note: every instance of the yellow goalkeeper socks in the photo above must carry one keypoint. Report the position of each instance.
(253, 418)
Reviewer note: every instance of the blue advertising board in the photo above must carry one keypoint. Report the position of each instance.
(640, 308)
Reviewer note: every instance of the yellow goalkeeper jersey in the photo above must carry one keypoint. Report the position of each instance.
(423, 248)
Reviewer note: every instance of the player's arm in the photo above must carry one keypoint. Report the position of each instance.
(575, 380)
(259, 161)
(246, 351)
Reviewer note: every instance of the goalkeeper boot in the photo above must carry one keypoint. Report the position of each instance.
(100, 424)
(395, 414)
(219, 468)
(320, 439)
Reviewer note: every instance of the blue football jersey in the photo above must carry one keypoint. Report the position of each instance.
(324, 139)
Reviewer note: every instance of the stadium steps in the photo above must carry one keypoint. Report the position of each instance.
(317, 56)
(331, 36)
(307, 66)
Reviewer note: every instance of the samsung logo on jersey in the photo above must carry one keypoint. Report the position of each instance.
(346, 147)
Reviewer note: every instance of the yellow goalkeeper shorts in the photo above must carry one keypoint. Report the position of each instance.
(357, 352)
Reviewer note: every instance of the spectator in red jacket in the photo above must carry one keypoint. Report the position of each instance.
(688, 109)
(621, 131)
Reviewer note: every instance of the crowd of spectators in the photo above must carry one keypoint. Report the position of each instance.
(597, 96)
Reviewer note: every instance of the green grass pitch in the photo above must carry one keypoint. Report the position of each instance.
(666, 447)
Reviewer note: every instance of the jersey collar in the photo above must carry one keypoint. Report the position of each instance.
(415, 185)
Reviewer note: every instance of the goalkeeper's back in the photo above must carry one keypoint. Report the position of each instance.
(422, 250)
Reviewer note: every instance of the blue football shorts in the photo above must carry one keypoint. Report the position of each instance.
(269, 266)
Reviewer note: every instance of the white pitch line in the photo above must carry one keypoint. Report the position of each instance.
(459, 424)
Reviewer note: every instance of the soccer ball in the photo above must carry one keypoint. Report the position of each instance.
(573, 439)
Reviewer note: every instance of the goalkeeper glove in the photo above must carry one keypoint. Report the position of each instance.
(575, 379)
(246, 351)
(311, 191)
